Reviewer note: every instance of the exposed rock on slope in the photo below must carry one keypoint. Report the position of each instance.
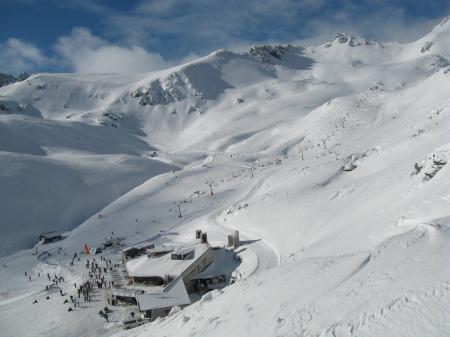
(6, 79)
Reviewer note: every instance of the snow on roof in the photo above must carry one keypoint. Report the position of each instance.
(161, 249)
(51, 234)
(139, 246)
(224, 263)
(176, 296)
(161, 266)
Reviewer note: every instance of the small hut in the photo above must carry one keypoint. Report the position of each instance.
(48, 237)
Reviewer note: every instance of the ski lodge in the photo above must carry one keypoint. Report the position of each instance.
(162, 265)
(157, 278)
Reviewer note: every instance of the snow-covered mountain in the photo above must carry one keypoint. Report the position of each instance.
(6, 79)
(331, 161)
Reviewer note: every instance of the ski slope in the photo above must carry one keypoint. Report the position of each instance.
(330, 160)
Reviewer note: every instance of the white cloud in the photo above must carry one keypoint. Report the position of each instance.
(86, 53)
(25, 50)
(180, 27)
(17, 56)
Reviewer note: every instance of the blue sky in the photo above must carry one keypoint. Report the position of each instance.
(144, 35)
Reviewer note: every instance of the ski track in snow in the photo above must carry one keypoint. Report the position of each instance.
(268, 256)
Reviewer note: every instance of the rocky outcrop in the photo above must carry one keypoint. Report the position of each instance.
(430, 166)
(268, 53)
(348, 39)
(6, 79)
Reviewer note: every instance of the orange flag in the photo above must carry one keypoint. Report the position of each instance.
(87, 250)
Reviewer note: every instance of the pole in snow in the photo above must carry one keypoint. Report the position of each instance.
(179, 210)
(210, 187)
(251, 169)
(324, 144)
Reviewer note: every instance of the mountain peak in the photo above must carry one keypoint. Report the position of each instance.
(269, 53)
(347, 39)
(23, 76)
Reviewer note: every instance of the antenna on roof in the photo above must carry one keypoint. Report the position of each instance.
(198, 234)
(204, 238)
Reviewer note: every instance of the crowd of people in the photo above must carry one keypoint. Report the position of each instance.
(95, 277)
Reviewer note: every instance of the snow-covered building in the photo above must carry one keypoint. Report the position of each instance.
(136, 250)
(112, 242)
(165, 276)
(185, 260)
(48, 237)
(159, 304)
(160, 251)
(218, 274)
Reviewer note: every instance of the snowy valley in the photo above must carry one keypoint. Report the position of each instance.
(331, 161)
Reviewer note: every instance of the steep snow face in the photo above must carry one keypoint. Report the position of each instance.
(328, 159)
(434, 43)
(42, 194)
